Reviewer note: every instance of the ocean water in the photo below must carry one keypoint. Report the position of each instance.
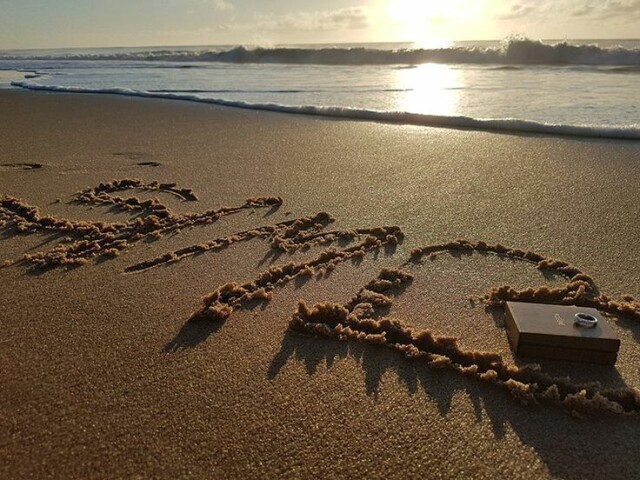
(588, 88)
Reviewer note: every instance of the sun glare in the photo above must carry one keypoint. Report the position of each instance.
(431, 89)
(427, 23)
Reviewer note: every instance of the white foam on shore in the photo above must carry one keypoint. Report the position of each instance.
(7, 76)
(500, 125)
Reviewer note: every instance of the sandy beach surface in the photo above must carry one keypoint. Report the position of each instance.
(104, 375)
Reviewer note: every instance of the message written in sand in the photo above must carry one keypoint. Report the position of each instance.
(364, 318)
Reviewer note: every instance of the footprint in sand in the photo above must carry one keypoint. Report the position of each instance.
(132, 155)
(149, 164)
(20, 166)
(144, 156)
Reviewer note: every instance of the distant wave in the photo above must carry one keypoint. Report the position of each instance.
(632, 69)
(512, 52)
(500, 125)
(222, 90)
(506, 68)
(287, 90)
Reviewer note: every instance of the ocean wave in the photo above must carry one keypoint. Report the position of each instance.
(506, 68)
(461, 122)
(286, 90)
(517, 51)
(631, 69)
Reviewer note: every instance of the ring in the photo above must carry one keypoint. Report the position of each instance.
(585, 320)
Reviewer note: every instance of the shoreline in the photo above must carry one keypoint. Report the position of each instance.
(457, 122)
(107, 377)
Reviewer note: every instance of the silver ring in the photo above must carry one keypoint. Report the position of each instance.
(585, 320)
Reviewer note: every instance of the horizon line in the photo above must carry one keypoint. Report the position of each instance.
(285, 45)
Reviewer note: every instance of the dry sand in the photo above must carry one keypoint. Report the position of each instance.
(112, 366)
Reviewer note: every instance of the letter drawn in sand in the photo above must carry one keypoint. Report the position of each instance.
(364, 318)
(88, 240)
(355, 321)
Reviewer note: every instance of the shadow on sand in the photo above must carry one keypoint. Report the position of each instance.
(571, 448)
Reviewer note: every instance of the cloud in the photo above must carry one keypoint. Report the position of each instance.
(586, 9)
(621, 7)
(518, 10)
(201, 6)
(351, 18)
(583, 11)
(608, 10)
(222, 6)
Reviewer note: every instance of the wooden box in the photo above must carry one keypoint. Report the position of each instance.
(548, 331)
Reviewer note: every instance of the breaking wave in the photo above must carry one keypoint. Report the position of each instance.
(517, 51)
(501, 125)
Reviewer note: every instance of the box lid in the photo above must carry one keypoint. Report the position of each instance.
(553, 326)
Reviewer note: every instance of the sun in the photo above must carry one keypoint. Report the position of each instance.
(426, 23)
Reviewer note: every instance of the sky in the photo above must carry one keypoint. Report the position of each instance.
(103, 23)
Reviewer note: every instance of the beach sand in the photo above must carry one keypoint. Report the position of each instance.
(103, 374)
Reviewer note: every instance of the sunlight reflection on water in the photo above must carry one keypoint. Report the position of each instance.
(430, 88)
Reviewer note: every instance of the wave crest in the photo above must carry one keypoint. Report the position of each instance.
(516, 51)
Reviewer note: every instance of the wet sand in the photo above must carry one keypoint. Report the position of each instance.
(199, 291)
